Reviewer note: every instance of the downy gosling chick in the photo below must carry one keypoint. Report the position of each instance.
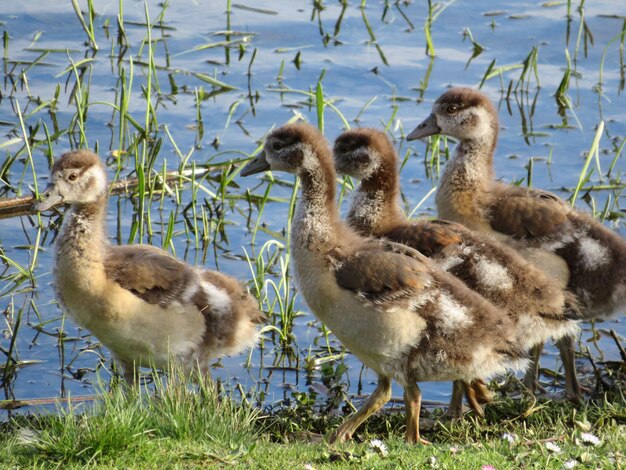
(564, 242)
(534, 302)
(143, 304)
(399, 313)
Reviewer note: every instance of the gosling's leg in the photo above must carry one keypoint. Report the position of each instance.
(573, 389)
(455, 409)
(531, 378)
(130, 371)
(413, 404)
(481, 391)
(472, 399)
(375, 402)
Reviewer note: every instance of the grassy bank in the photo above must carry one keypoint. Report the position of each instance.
(181, 426)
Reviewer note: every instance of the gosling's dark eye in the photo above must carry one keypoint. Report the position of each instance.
(277, 145)
(72, 176)
(452, 108)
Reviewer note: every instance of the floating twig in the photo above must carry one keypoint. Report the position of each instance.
(17, 206)
(13, 404)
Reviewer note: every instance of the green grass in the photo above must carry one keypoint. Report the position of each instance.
(177, 427)
(125, 425)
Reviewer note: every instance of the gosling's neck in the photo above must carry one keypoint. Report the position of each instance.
(375, 207)
(467, 179)
(473, 160)
(83, 236)
(316, 224)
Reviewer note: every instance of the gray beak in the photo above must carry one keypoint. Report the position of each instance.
(427, 127)
(51, 197)
(258, 165)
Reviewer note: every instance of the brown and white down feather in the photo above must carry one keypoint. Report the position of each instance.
(142, 303)
(567, 244)
(594, 255)
(535, 302)
(401, 315)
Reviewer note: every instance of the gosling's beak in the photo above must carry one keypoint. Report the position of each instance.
(50, 197)
(427, 127)
(258, 165)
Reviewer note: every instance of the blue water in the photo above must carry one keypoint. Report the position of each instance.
(354, 74)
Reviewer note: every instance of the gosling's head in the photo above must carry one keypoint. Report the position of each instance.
(361, 153)
(293, 148)
(462, 113)
(76, 178)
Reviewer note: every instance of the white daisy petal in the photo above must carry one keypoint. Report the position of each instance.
(589, 438)
(508, 437)
(552, 447)
(380, 447)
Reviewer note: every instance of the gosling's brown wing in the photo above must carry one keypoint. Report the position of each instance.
(428, 237)
(527, 213)
(148, 272)
(381, 276)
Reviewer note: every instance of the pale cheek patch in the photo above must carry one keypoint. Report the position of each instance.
(482, 129)
(470, 123)
(360, 163)
(453, 315)
(592, 254)
(97, 183)
(373, 162)
(493, 276)
(218, 300)
(278, 164)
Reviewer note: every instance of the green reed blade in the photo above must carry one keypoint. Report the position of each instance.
(593, 151)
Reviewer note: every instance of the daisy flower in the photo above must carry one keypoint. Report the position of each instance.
(380, 447)
(589, 438)
(552, 447)
(508, 437)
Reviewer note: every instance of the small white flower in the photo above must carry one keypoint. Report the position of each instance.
(454, 450)
(552, 447)
(589, 438)
(308, 466)
(508, 437)
(433, 461)
(380, 447)
(570, 464)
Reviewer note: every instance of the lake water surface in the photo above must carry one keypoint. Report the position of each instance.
(374, 71)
